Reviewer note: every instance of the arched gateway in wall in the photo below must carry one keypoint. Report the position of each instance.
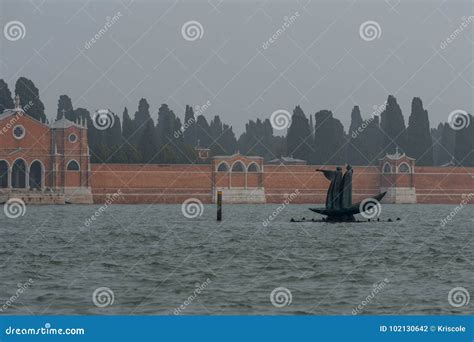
(239, 177)
(397, 178)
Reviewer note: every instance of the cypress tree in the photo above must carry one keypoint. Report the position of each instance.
(229, 142)
(65, 108)
(130, 153)
(166, 125)
(311, 127)
(142, 115)
(444, 137)
(258, 140)
(29, 99)
(329, 139)
(203, 132)
(464, 144)
(356, 152)
(393, 126)
(114, 133)
(216, 128)
(190, 132)
(298, 138)
(148, 143)
(419, 143)
(372, 139)
(128, 128)
(6, 101)
(170, 141)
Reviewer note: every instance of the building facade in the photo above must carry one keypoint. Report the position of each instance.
(43, 163)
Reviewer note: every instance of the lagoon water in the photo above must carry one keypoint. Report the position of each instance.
(152, 259)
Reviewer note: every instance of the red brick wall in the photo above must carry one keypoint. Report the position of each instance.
(443, 184)
(252, 180)
(280, 181)
(175, 183)
(151, 183)
(34, 145)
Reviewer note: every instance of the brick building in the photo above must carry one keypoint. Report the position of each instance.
(43, 163)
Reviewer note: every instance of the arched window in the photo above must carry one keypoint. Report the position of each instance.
(73, 166)
(223, 167)
(387, 168)
(253, 168)
(19, 174)
(238, 167)
(36, 175)
(404, 168)
(3, 174)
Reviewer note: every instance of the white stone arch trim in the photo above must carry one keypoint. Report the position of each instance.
(404, 164)
(256, 166)
(9, 172)
(221, 163)
(238, 161)
(27, 172)
(73, 161)
(385, 165)
(43, 172)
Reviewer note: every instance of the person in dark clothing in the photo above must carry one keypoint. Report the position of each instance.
(333, 198)
(346, 189)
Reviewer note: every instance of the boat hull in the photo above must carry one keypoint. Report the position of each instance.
(355, 209)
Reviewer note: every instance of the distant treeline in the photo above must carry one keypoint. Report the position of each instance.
(318, 138)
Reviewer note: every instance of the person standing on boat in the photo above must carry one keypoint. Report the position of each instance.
(333, 195)
(346, 189)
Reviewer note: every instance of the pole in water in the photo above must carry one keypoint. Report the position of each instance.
(219, 205)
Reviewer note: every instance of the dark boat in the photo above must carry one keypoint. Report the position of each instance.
(355, 209)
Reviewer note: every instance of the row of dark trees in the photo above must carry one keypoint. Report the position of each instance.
(138, 139)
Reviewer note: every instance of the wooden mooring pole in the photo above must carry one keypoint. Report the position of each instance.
(219, 205)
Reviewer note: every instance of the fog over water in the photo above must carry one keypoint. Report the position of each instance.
(242, 61)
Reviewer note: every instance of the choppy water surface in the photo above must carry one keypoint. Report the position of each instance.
(153, 258)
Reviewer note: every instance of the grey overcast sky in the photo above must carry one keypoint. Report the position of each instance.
(320, 61)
